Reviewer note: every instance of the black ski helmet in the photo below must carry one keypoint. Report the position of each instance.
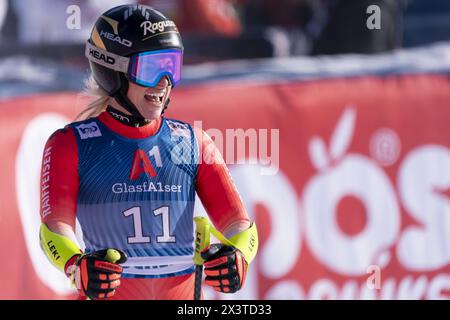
(121, 32)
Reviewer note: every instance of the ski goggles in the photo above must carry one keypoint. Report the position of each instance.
(145, 68)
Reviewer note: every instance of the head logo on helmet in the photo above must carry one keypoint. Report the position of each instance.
(115, 38)
(115, 28)
(100, 56)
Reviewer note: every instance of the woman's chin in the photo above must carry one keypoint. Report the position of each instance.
(153, 113)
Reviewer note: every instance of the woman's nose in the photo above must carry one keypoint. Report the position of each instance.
(163, 82)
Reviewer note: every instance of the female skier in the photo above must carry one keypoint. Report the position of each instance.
(130, 175)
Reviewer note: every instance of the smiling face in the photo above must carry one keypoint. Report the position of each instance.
(149, 101)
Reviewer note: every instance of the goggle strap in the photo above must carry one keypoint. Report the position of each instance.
(106, 59)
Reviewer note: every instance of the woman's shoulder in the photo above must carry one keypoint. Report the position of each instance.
(84, 129)
(70, 127)
(62, 136)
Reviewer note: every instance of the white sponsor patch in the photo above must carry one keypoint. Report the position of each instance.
(179, 129)
(89, 130)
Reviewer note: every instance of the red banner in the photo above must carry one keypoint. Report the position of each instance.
(348, 180)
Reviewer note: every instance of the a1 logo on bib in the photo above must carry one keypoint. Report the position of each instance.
(89, 130)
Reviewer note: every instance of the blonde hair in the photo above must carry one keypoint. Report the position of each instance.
(93, 109)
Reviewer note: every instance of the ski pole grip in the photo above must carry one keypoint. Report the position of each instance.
(202, 238)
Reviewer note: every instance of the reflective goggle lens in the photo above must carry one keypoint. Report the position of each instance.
(147, 68)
